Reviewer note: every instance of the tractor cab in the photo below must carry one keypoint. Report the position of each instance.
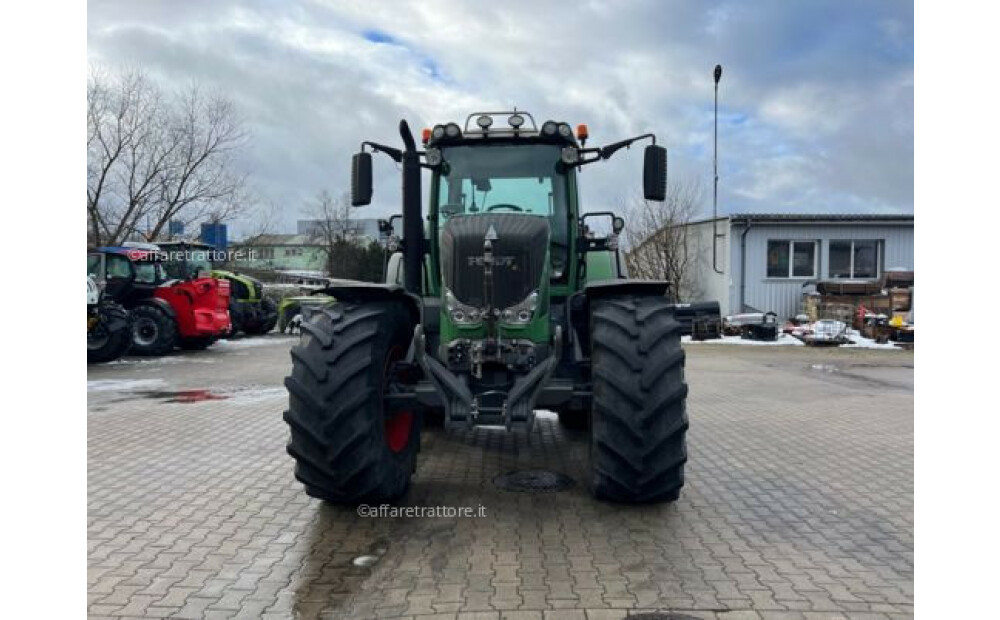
(112, 272)
(186, 260)
(519, 175)
(128, 274)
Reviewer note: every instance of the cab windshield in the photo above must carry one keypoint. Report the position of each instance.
(94, 265)
(148, 273)
(507, 178)
(188, 263)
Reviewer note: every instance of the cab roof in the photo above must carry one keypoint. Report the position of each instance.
(135, 254)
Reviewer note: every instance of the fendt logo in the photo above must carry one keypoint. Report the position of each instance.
(499, 261)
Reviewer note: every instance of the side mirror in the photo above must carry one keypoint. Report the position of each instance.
(654, 173)
(361, 179)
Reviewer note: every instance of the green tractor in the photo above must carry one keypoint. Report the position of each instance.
(249, 311)
(293, 310)
(510, 302)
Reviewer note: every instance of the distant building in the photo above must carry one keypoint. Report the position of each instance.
(280, 252)
(360, 227)
(763, 262)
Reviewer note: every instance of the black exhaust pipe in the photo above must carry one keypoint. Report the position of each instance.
(413, 229)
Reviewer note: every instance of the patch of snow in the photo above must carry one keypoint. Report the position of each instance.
(179, 359)
(123, 385)
(258, 341)
(306, 273)
(860, 342)
(782, 341)
(255, 394)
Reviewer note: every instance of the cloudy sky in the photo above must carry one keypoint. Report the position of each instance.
(815, 113)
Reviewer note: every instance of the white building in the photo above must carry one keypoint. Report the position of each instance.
(762, 262)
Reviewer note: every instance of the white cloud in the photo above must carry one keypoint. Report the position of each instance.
(816, 99)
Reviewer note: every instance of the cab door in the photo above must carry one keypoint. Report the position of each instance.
(114, 271)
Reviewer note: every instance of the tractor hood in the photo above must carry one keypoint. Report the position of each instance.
(519, 245)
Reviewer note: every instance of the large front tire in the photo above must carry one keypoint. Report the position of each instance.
(154, 332)
(348, 449)
(638, 420)
(104, 345)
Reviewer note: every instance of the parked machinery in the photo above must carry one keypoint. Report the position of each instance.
(700, 320)
(109, 329)
(165, 312)
(250, 311)
(293, 310)
(766, 329)
(510, 301)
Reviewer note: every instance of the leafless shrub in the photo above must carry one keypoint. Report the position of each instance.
(656, 238)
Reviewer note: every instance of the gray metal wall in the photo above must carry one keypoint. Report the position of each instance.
(707, 284)
(784, 296)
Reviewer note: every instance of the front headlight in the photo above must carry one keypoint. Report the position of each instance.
(460, 313)
(521, 313)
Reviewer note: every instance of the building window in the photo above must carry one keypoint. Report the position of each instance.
(791, 259)
(855, 259)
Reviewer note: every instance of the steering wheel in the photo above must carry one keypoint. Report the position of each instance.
(504, 205)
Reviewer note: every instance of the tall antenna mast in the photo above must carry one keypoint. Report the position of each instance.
(715, 175)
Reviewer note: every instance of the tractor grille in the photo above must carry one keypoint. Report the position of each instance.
(519, 254)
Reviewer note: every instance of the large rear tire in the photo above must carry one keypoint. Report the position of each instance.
(638, 420)
(347, 448)
(154, 332)
(104, 345)
(268, 319)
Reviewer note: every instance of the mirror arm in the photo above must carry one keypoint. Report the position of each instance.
(394, 153)
(609, 150)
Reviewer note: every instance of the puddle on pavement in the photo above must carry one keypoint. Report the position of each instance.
(182, 396)
(870, 374)
(242, 395)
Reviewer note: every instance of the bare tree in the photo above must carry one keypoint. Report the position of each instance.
(126, 152)
(200, 180)
(264, 219)
(332, 218)
(656, 239)
(152, 158)
(347, 255)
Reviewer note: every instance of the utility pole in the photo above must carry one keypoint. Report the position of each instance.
(715, 177)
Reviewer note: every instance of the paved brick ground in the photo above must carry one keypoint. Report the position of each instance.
(799, 503)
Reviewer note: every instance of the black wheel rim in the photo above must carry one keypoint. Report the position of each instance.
(97, 339)
(145, 332)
